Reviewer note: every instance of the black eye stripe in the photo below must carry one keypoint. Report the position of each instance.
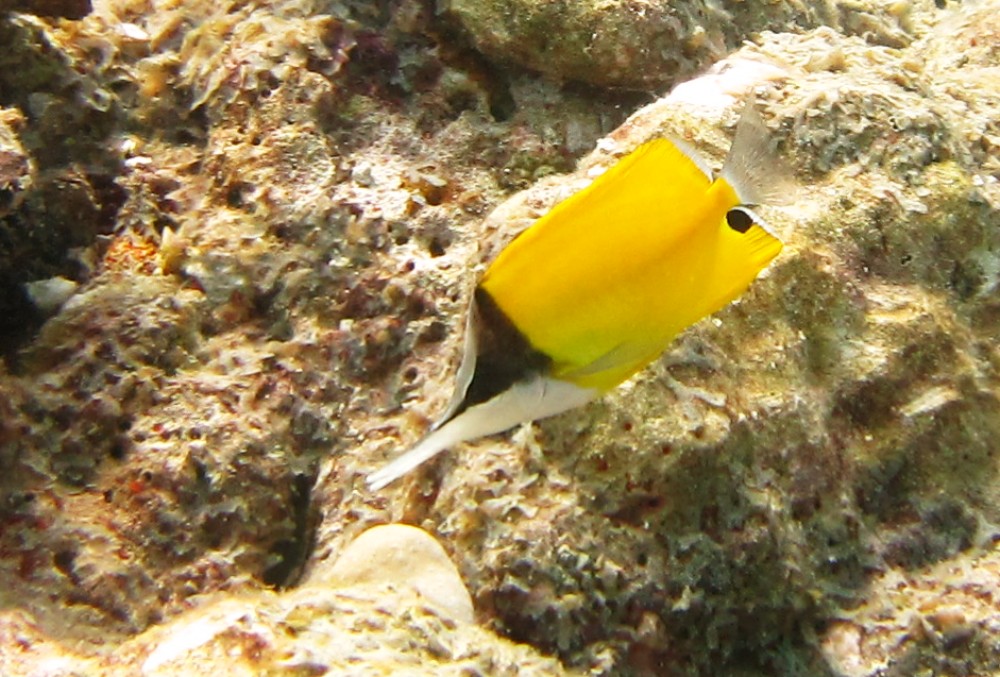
(739, 220)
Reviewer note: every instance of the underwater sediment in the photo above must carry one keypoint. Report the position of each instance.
(237, 242)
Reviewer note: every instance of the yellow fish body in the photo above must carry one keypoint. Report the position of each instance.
(597, 288)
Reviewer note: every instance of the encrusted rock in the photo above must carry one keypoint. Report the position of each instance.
(650, 45)
(16, 166)
(69, 9)
(275, 215)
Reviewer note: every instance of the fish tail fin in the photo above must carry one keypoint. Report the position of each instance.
(751, 168)
(430, 446)
(489, 417)
(535, 398)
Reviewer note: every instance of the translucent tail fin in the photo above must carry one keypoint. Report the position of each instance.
(524, 401)
(454, 431)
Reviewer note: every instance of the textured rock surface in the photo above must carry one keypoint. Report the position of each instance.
(274, 213)
(944, 621)
(360, 620)
(651, 44)
(70, 9)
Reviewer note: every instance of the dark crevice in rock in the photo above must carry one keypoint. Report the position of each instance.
(293, 553)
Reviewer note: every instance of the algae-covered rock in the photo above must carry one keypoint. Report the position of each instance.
(652, 44)
(273, 214)
(834, 424)
(323, 631)
(944, 621)
(57, 164)
(343, 625)
(70, 9)
(16, 167)
(369, 615)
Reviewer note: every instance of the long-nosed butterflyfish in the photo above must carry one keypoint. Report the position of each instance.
(598, 287)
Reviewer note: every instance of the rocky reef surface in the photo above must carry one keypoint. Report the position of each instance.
(236, 244)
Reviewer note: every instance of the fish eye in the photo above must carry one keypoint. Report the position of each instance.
(739, 220)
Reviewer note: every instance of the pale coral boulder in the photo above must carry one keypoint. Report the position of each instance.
(407, 565)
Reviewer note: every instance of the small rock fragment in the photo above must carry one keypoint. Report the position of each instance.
(406, 559)
(49, 295)
(431, 186)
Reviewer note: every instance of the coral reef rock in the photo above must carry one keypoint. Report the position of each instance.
(647, 45)
(69, 9)
(237, 242)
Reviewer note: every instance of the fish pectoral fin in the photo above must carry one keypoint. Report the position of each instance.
(527, 400)
(614, 366)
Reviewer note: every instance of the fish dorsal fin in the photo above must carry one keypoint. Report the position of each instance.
(750, 167)
(466, 368)
(693, 155)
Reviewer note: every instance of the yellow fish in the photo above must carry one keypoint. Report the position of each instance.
(597, 288)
